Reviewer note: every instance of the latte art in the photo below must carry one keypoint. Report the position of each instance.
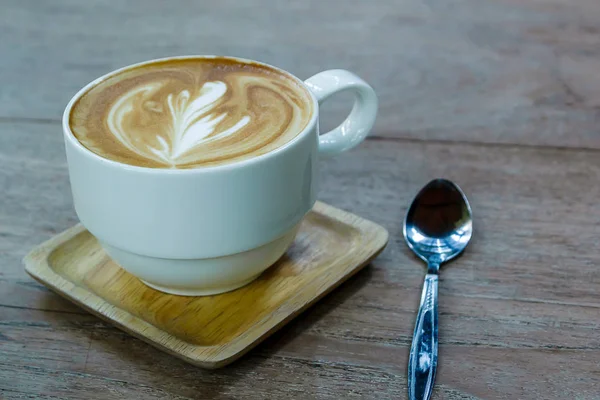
(190, 113)
(193, 122)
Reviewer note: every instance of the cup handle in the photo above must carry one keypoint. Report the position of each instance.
(358, 124)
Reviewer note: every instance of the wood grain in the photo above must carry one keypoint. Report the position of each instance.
(499, 95)
(211, 331)
(524, 296)
(501, 71)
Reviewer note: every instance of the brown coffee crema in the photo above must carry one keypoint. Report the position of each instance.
(191, 112)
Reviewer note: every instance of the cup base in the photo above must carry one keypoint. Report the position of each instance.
(199, 292)
(202, 276)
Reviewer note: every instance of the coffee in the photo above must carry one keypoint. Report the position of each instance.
(190, 112)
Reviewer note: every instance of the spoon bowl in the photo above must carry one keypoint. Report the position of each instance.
(438, 225)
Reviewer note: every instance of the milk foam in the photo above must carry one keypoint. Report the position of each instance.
(191, 113)
(193, 121)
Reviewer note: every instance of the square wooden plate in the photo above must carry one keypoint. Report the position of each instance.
(211, 331)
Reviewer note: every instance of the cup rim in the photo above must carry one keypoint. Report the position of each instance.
(68, 134)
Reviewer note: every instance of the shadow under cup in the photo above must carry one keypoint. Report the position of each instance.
(212, 229)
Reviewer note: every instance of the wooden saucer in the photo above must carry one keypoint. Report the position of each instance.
(210, 331)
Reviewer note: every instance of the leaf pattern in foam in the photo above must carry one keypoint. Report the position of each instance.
(192, 120)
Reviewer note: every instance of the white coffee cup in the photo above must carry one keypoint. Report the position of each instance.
(213, 229)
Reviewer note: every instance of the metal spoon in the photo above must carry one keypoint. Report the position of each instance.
(437, 228)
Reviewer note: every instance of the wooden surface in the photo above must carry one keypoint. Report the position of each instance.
(502, 96)
(211, 331)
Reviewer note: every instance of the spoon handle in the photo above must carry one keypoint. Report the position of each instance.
(422, 363)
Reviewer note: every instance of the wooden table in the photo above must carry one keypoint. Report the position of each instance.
(502, 96)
